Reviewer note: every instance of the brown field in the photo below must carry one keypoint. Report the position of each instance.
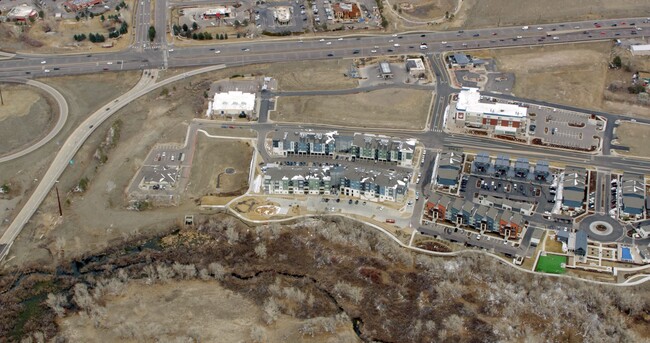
(186, 309)
(572, 74)
(24, 104)
(489, 13)
(422, 10)
(635, 136)
(50, 35)
(211, 158)
(313, 75)
(391, 108)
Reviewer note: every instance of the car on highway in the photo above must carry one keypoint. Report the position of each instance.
(423, 35)
(109, 63)
(556, 38)
(46, 71)
(390, 50)
(443, 42)
(396, 45)
(373, 51)
(340, 39)
(356, 51)
(328, 43)
(245, 49)
(217, 52)
(540, 28)
(321, 40)
(330, 55)
(43, 62)
(476, 35)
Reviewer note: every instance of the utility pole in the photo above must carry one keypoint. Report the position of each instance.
(58, 198)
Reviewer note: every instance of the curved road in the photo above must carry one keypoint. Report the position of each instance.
(63, 117)
(76, 139)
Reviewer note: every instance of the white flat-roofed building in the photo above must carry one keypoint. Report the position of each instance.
(282, 14)
(640, 50)
(217, 12)
(22, 13)
(233, 103)
(474, 111)
(415, 66)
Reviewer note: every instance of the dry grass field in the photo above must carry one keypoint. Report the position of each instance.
(176, 311)
(386, 108)
(566, 74)
(422, 10)
(24, 104)
(313, 75)
(635, 136)
(489, 13)
(211, 159)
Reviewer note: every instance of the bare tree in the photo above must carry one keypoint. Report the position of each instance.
(57, 303)
(351, 292)
(164, 272)
(232, 234)
(217, 270)
(204, 274)
(260, 250)
(271, 310)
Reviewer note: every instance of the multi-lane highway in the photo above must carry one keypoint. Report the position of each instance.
(248, 52)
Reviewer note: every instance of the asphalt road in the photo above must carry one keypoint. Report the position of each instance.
(236, 52)
(63, 117)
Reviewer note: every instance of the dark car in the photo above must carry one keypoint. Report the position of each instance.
(355, 51)
(423, 35)
(476, 35)
(330, 55)
(390, 50)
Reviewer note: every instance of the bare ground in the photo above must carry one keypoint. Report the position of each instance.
(211, 159)
(422, 10)
(635, 136)
(566, 74)
(391, 108)
(24, 104)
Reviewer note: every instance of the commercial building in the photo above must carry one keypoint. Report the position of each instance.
(384, 70)
(449, 168)
(157, 177)
(217, 12)
(346, 11)
(475, 111)
(76, 5)
(459, 60)
(22, 13)
(633, 200)
(372, 185)
(282, 14)
(415, 66)
(573, 189)
(232, 103)
(640, 50)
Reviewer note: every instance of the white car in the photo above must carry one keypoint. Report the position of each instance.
(109, 63)
(328, 43)
(46, 70)
(43, 62)
(391, 40)
(322, 40)
(525, 28)
(373, 51)
(171, 50)
(396, 45)
(340, 39)
(217, 52)
(576, 27)
(540, 28)
(395, 35)
(443, 42)
(556, 38)
(520, 37)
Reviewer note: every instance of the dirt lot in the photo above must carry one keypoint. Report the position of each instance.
(231, 317)
(50, 35)
(482, 13)
(392, 108)
(635, 136)
(567, 74)
(84, 94)
(24, 104)
(422, 10)
(212, 160)
(313, 75)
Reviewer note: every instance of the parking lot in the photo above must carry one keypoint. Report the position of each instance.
(565, 129)
(265, 17)
(470, 238)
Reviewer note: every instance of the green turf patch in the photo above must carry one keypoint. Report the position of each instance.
(551, 264)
